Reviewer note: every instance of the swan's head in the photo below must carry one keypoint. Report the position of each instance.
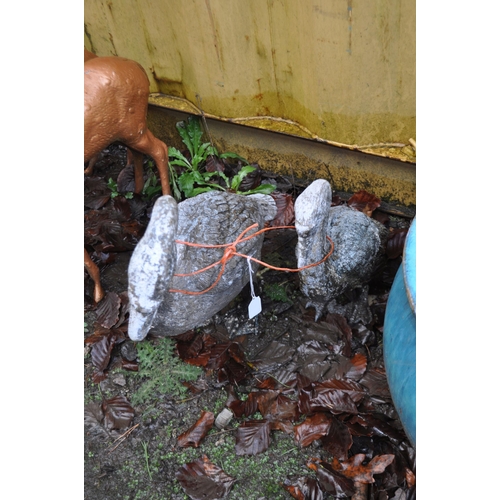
(312, 208)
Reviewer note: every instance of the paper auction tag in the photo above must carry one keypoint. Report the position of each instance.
(255, 306)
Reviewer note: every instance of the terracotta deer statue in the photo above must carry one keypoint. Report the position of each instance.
(116, 106)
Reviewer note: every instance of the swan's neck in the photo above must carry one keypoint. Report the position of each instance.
(311, 248)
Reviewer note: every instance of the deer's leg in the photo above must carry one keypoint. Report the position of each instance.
(90, 168)
(158, 150)
(93, 270)
(135, 157)
(161, 160)
(130, 157)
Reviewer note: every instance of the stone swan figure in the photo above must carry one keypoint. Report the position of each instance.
(359, 244)
(211, 218)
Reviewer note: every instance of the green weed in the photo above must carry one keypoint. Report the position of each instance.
(161, 370)
(276, 292)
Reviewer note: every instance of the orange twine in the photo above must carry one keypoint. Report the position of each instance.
(231, 251)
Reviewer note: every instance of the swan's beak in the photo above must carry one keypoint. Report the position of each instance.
(139, 324)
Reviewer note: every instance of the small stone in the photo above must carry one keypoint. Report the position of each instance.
(119, 379)
(223, 419)
(128, 351)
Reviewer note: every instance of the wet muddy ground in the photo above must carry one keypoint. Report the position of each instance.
(283, 441)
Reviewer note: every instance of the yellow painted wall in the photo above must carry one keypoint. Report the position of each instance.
(343, 70)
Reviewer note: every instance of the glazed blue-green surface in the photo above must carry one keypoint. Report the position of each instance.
(409, 265)
(400, 338)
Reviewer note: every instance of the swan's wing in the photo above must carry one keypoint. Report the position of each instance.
(211, 218)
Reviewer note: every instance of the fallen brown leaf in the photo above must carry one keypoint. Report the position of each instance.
(364, 202)
(108, 310)
(360, 473)
(285, 214)
(352, 368)
(354, 389)
(338, 441)
(252, 437)
(332, 481)
(118, 412)
(197, 432)
(312, 428)
(395, 243)
(203, 480)
(304, 488)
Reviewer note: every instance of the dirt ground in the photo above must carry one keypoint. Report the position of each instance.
(136, 448)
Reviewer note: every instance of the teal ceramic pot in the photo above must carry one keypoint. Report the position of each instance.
(400, 338)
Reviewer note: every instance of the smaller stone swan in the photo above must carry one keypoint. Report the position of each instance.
(359, 245)
(211, 218)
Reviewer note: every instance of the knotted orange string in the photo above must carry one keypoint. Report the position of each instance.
(231, 251)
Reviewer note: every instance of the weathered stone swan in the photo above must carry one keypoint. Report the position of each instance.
(212, 218)
(359, 244)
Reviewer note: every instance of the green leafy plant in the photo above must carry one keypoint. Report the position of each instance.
(238, 179)
(114, 190)
(191, 134)
(194, 179)
(152, 186)
(161, 370)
